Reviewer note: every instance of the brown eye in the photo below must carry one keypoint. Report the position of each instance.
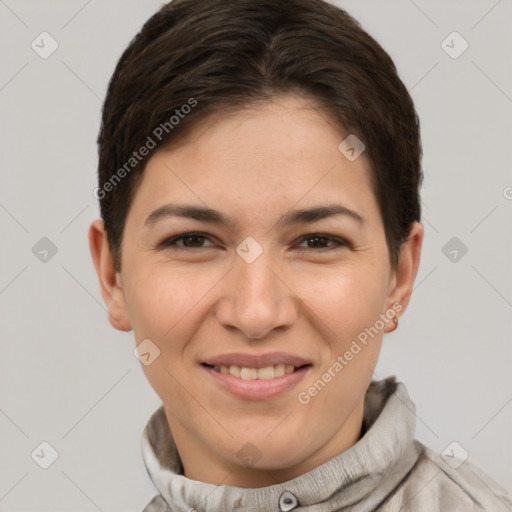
(186, 241)
(320, 241)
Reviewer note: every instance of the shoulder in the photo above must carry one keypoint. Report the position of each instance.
(434, 485)
(157, 504)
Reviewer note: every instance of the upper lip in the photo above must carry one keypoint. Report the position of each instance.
(256, 360)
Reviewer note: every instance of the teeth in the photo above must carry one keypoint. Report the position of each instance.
(278, 370)
(269, 372)
(266, 373)
(248, 373)
(235, 370)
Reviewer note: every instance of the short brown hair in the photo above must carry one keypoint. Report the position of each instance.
(210, 55)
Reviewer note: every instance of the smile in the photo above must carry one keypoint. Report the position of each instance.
(249, 383)
(266, 373)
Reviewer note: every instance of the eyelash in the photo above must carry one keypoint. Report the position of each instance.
(172, 242)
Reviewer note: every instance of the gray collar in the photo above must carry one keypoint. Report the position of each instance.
(365, 474)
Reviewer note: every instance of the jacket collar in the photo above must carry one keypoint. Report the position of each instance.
(365, 474)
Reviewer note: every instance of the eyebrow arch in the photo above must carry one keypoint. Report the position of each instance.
(292, 217)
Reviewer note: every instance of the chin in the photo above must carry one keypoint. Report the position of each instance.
(270, 453)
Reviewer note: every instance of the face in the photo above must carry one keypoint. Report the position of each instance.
(261, 298)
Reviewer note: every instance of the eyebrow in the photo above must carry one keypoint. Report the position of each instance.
(204, 214)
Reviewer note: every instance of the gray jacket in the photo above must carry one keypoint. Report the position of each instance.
(387, 470)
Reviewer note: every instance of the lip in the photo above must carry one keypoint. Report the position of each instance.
(256, 389)
(256, 360)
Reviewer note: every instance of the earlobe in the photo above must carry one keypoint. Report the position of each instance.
(405, 273)
(392, 325)
(111, 289)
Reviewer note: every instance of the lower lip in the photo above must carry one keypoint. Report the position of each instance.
(257, 389)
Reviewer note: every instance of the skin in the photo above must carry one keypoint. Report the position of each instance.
(255, 165)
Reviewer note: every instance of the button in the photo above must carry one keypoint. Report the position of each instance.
(287, 501)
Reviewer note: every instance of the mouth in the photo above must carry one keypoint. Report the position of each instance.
(248, 373)
(255, 377)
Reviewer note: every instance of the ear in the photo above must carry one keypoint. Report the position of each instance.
(402, 281)
(109, 278)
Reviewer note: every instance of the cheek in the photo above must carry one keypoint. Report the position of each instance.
(167, 305)
(348, 303)
(346, 299)
(155, 298)
(166, 308)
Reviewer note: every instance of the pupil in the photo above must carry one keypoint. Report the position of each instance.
(319, 239)
(191, 237)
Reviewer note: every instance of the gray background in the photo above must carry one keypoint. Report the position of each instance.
(70, 379)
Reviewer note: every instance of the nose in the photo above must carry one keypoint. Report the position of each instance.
(256, 298)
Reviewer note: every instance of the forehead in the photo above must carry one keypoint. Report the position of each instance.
(261, 158)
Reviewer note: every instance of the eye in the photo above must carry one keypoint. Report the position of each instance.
(196, 240)
(189, 241)
(319, 241)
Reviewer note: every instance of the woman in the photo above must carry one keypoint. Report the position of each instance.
(259, 174)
